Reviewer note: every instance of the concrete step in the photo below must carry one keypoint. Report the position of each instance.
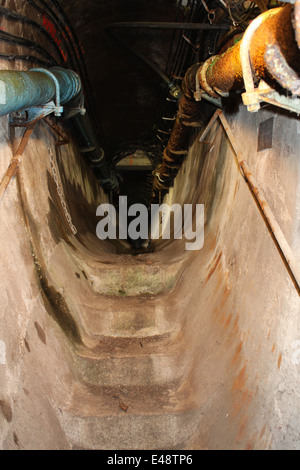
(132, 432)
(131, 276)
(122, 345)
(136, 316)
(135, 369)
(130, 418)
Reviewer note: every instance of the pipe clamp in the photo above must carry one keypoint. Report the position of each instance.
(58, 109)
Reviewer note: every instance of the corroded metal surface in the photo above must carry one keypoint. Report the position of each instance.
(27, 89)
(280, 70)
(15, 161)
(274, 56)
(176, 149)
(225, 72)
(297, 21)
(210, 364)
(277, 30)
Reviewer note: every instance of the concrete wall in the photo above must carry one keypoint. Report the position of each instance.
(170, 349)
(245, 301)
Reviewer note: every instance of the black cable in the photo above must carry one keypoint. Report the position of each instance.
(169, 25)
(51, 18)
(173, 71)
(30, 58)
(14, 16)
(157, 25)
(78, 65)
(184, 56)
(173, 36)
(74, 38)
(81, 61)
(13, 39)
(181, 47)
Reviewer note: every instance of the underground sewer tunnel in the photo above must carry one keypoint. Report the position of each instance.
(140, 343)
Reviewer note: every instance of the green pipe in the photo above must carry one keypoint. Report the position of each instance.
(23, 90)
(37, 87)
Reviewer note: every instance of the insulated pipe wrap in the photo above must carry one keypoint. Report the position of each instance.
(225, 72)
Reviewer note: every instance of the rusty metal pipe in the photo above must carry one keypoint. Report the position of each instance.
(297, 21)
(176, 149)
(224, 73)
(281, 71)
(270, 33)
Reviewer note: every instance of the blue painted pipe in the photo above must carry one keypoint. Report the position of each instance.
(23, 90)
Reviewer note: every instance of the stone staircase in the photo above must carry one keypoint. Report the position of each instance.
(130, 387)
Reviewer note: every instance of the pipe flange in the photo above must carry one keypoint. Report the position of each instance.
(202, 76)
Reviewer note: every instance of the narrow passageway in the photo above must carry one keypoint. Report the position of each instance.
(145, 344)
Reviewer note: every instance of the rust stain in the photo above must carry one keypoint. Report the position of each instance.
(262, 432)
(249, 446)
(235, 324)
(264, 444)
(228, 320)
(240, 381)
(220, 312)
(243, 426)
(219, 283)
(221, 305)
(237, 353)
(15, 161)
(270, 442)
(225, 296)
(279, 360)
(251, 443)
(273, 348)
(243, 402)
(237, 185)
(212, 270)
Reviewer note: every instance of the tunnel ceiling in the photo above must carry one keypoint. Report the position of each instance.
(125, 90)
(127, 72)
(128, 94)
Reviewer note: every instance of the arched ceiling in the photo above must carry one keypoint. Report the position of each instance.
(125, 90)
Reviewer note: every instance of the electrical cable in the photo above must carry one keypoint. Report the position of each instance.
(64, 36)
(168, 25)
(14, 16)
(13, 39)
(79, 56)
(30, 58)
(157, 25)
(172, 41)
(73, 52)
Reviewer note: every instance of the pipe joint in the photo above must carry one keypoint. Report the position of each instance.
(202, 77)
